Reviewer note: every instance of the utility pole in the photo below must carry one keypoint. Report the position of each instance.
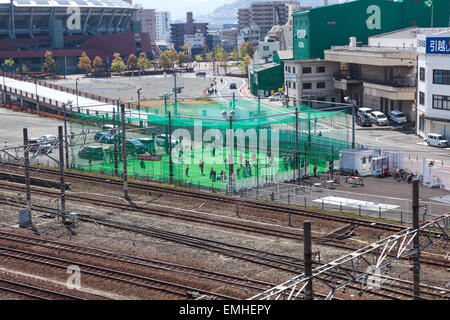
(61, 173)
(76, 89)
(116, 165)
(307, 257)
(175, 84)
(66, 145)
(170, 149)
(139, 106)
(27, 170)
(124, 154)
(231, 167)
(416, 241)
(353, 123)
(296, 145)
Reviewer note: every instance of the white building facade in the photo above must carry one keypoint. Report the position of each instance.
(433, 88)
(163, 25)
(311, 78)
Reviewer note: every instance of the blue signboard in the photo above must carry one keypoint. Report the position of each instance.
(438, 45)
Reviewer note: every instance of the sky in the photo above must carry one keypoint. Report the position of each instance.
(178, 8)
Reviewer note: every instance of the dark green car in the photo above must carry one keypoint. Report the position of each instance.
(91, 153)
(149, 144)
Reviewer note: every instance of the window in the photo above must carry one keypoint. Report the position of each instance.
(289, 69)
(293, 69)
(307, 70)
(422, 74)
(307, 85)
(320, 85)
(441, 77)
(294, 85)
(320, 69)
(289, 84)
(441, 102)
(266, 48)
(421, 98)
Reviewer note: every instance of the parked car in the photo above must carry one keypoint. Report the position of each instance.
(134, 146)
(108, 127)
(277, 96)
(91, 153)
(49, 138)
(363, 120)
(436, 140)
(233, 85)
(378, 118)
(365, 111)
(397, 117)
(37, 144)
(104, 137)
(149, 144)
(201, 74)
(162, 138)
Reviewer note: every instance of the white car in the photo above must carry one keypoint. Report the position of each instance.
(378, 118)
(436, 140)
(49, 138)
(278, 96)
(160, 140)
(397, 117)
(365, 111)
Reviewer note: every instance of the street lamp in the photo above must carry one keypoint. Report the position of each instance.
(64, 105)
(353, 104)
(139, 106)
(4, 88)
(76, 88)
(231, 167)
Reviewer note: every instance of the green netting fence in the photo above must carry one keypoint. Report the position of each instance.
(264, 145)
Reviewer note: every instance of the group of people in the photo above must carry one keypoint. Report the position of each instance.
(214, 177)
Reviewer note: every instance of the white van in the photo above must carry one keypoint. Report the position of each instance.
(365, 111)
(437, 140)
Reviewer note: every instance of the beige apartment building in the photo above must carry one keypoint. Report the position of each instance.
(381, 75)
(311, 78)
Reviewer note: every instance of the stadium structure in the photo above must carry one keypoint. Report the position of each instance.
(28, 28)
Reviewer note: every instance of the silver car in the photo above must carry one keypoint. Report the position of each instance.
(378, 118)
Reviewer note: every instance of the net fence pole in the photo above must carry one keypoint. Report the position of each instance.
(297, 167)
(124, 153)
(170, 149)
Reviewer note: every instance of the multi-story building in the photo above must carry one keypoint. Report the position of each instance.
(30, 28)
(147, 19)
(163, 25)
(250, 34)
(318, 29)
(243, 17)
(178, 31)
(229, 39)
(264, 15)
(433, 89)
(312, 78)
(380, 75)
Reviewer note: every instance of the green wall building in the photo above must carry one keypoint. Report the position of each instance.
(318, 29)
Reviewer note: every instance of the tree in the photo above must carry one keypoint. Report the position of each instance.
(117, 64)
(235, 54)
(24, 68)
(244, 64)
(205, 52)
(164, 61)
(97, 64)
(9, 62)
(223, 58)
(50, 65)
(250, 49)
(198, 58)
(187, 50)
(132, 62)
(143, 61)
(172, 55)
(243, 50)
(181, 58)
(84, 63)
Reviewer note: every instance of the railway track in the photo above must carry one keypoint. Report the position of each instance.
(34, 292)
(203, 218)
(255, 204)
(397, 288)
(127, 278)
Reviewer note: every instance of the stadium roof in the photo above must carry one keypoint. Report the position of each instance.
(68, 3)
